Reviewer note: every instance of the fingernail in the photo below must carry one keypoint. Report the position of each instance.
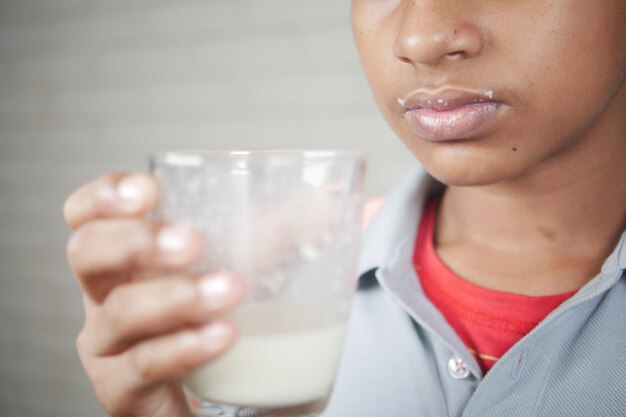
(174, 239)
(130, 192)
(217, 290)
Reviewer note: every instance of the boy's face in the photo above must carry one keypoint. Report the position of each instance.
(485, 90)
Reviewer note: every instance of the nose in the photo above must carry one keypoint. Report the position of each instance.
(430, 31)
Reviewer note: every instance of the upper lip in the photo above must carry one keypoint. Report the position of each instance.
(448, 99)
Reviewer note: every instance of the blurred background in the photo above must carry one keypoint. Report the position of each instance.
(90, 86)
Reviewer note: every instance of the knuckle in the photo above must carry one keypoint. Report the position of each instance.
(85, 340)
(81, 345)
(112, 311)
(76, 245)
(72, 204)
(182, 292)
(82, 241)
(181, 299)
(139, 361)
(136, 238)
(107, 186)
(108, 245)
(110, 179)
(67, 211)
(89, 199)
(102, 386)
(188, 343)
(87, 359)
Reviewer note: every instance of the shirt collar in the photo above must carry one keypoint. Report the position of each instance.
(397, 219)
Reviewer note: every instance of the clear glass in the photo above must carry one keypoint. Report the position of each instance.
(289, 223)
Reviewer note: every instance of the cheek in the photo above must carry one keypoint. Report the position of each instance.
(385, 86)
(571, 63)
(374, 30)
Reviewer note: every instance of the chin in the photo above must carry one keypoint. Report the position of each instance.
(465, 178)
(468, 166)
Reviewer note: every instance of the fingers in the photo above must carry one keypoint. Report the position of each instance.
(142, 309)
(155, 324)
(118, 194)
(104, 253)
(172, 356)
(125, 381)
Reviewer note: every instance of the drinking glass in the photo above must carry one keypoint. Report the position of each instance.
(288, 223)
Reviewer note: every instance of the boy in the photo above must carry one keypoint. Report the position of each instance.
(491, 286)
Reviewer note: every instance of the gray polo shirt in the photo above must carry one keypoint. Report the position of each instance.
(403, 359)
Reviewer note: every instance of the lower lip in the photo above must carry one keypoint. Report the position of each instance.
(460, 123)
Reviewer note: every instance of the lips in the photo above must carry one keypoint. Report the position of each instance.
(449, 114)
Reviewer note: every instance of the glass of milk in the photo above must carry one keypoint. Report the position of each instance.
(288, 222)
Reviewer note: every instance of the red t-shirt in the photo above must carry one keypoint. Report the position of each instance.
(489, 322)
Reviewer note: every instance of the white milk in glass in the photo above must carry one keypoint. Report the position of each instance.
(286, 355)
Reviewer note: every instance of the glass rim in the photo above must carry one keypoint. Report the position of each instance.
(193, 157)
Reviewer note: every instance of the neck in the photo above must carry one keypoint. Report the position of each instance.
(547, 231)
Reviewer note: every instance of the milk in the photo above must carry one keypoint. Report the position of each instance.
(273, 363)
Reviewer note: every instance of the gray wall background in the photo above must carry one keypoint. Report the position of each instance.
(90, 86)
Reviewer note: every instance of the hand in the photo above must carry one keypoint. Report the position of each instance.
(146, 323)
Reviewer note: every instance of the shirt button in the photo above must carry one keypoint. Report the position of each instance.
(457, 368)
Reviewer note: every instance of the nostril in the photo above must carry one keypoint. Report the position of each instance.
(455, 55)
(405, 60)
